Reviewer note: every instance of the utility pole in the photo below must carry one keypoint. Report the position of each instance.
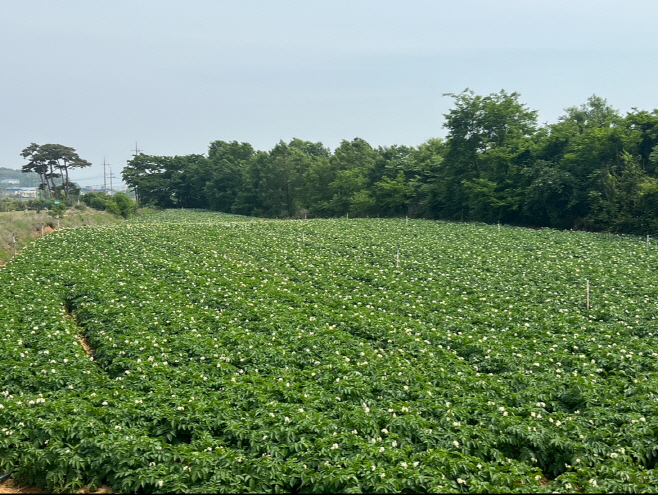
(104, 179)
(137, 151)
(111, 175)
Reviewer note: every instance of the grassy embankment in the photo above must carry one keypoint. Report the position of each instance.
(27, 226)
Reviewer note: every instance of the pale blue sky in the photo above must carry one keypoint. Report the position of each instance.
(176, 75)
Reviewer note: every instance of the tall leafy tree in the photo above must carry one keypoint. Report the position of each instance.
(51, 162)
(152, 179)
(626, 199)
(279, 188)
(37, 164)
(188, 182)
(549, 196)
(393, 196)
(352, 163)
(425, 163)
(230, 166)
(640, 137)
(316, 193)
(487, 138)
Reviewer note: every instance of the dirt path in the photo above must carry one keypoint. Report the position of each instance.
(85, 345)
(83, 341)
(8, 486)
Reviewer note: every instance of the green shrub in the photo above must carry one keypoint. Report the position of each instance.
(57, 210)
(112, 207)
(119, 204)
(126, 205)
(9, 204)
(95, 200)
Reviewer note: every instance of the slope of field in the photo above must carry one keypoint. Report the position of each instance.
(27, 226)
(193, 351)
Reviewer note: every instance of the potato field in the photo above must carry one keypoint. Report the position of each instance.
(200, 352)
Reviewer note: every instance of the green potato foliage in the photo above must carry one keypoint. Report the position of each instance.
(233, 355)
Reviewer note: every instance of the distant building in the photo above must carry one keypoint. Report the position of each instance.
(87, 189)
(10, 181)
(21, 192)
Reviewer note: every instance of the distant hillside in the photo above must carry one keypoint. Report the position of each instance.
(27, 180)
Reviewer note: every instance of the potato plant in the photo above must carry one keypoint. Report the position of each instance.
(232, 355)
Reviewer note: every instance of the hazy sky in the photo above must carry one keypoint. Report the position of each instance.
(175, 75)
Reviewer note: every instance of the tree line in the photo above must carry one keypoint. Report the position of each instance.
(593, 169)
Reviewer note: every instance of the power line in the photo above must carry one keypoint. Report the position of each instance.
(90, 178)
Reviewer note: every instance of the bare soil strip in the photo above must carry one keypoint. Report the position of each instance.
(83, 341)
(85, 345)
(10, 486)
